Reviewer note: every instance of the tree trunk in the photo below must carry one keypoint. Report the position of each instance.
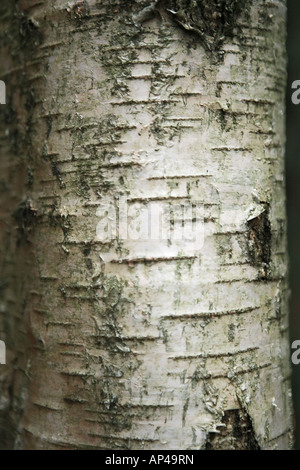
(121, 336)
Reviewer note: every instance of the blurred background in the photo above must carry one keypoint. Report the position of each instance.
(293, 191)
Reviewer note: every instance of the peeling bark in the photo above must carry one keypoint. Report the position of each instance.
(127, 344)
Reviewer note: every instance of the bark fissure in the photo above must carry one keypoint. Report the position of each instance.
(235, 433)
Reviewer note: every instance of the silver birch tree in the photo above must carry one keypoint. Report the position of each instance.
(128, 341)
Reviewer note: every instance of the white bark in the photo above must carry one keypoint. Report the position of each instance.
(148, 344)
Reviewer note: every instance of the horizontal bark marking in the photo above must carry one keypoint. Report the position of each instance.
(214, 355)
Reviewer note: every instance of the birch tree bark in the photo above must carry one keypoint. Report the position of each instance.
(126, 342)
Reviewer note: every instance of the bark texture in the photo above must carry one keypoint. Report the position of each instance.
(127, 344)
